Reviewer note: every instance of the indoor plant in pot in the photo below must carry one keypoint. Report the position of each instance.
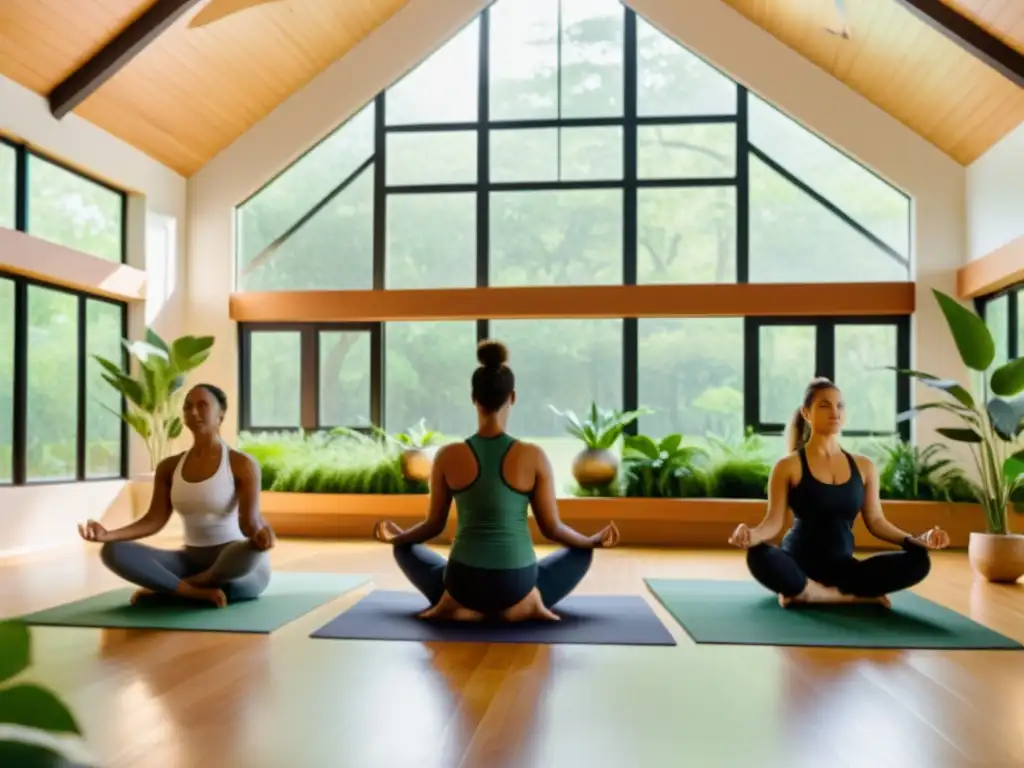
(416, 460)
(991, 426)
(597, 465)
(153, 395)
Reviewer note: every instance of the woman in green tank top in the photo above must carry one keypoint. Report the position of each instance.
(494, 480)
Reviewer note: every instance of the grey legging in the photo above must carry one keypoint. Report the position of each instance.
(487, 590)
(241, 571)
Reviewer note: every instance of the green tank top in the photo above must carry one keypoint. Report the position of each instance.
(492, 527)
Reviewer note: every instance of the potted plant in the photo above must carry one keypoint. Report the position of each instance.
(596, 465)
(991, 428)
(153, 396)
(416, 460)
(37, 730)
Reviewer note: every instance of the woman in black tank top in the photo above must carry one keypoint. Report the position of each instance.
(826, 488)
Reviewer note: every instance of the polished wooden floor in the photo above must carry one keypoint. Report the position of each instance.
(204, 700)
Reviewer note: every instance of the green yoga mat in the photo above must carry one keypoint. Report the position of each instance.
(289, 596)
(743, 613)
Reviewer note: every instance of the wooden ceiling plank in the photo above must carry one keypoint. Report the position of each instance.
(110, 59)
(970, 37)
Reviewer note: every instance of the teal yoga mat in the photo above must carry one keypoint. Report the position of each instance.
(289, 596)
(744, 613)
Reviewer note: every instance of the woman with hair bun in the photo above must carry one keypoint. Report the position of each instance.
(494, 479)
(826, 488)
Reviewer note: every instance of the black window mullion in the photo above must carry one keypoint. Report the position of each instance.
(19, 438)
(742, 189)
(483, 159)
(80, 420)
(903, 386)
(244, 378)
(751, 373)
(825, 349)
(378, 335)
(21, 189)
(309, 378)
(380, 224)
(630, 325)
(125, 366)
(1012, 329)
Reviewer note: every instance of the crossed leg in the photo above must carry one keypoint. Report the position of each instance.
(835, 582)
(157, 571)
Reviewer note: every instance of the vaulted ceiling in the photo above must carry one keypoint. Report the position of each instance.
(219, 67)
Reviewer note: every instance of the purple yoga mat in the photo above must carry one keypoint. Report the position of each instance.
(586, 620)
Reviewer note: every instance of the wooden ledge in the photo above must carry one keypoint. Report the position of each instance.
(590, 301)
(54, 264)
(642, 522)
(993, 272)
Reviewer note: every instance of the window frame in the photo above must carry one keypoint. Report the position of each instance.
(309, 373)
(19, 441)
(19, 417)
(1012, 294)
(824, 365)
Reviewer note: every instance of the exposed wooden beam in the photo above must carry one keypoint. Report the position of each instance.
(970, 37)
(106, 62)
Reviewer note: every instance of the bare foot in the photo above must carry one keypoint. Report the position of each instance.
(819, 593)
(530, 607)
(203, 594)
(448, 608)
(141, 594)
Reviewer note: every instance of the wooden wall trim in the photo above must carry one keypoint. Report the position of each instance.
(992, 272)
(600, 301)
(38, 259)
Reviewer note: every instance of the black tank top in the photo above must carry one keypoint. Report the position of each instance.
(824, 513)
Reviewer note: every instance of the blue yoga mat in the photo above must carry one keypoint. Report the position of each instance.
(586, 619)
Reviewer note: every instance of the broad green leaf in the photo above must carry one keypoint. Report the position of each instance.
(959, 435)
(1013, 467)
(948, 386)
(23, 755)
(111, 368)
(130, 388)
(973, 339)
(642, 445)
(174, 428)
(1006, 417)
(954, 408)
(1008, 379)
(189, 352)
(15, 648)
(36, 707)
(145, 352)
(671, 443)
(153, 338)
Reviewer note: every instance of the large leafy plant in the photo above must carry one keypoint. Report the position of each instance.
(417, 437)
(153, 396)
(36, 728)
(663, 469)
(991, 420)
(600, 429)
(915, 473)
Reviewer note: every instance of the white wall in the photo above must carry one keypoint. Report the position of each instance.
(708, 27)
(45, 515)
(995, 196)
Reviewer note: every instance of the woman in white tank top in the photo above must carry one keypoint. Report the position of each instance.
(216, 491)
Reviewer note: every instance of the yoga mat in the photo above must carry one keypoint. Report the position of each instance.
(744, 613)
(586, 619)
(288, 596)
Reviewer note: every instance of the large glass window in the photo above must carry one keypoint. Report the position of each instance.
(538, 139)
(566, 364)
(59, 419)
(427, 373)
(690, 372)
(275, 381)
(345, 387)
(103, 334)
(8, 185)
(52, 407)
(6, 380)
(71, 210)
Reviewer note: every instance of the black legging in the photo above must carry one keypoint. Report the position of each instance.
(782, 572)
(491, 591)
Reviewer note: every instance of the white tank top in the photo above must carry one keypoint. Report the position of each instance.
(208, 509)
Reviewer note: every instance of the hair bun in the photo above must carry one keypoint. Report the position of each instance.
(491, 353)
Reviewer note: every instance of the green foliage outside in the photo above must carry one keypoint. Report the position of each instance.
(35, 725)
